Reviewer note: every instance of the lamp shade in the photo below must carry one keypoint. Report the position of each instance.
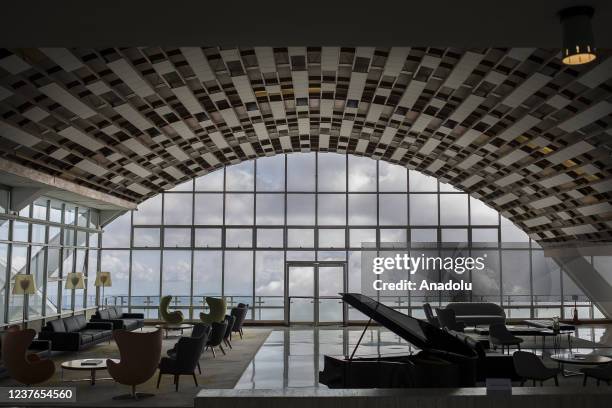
(104, 279)
(578, 40)
(24, 285)
(75, 280)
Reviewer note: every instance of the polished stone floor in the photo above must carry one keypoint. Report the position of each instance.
(292, 357)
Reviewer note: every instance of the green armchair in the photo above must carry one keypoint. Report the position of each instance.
(175, 317)
(217, 310)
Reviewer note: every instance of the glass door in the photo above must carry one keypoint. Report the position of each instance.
(312, 292)
(300, 290)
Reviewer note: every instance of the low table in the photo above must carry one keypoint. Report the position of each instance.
(578, 359)
(548, 325)
(78, 365)
(174, 327)
(524, 331)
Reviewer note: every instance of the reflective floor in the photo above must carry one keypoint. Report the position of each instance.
(292, 357)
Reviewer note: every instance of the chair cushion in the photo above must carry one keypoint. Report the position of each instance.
(86, 338)
(71, 324)
(57, 326)
(80, 319)
(119, 311)
(104, 314)
(95, 334)
(130, 324)
(112, 312)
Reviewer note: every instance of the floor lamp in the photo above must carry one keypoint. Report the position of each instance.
(74, 281)
(103, 279)
(24, 285)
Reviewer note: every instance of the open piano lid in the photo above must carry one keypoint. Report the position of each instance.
(417, 332)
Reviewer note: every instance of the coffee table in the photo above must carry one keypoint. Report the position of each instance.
(174, 327)
(78, 365)
(562, 329)
(578, 359)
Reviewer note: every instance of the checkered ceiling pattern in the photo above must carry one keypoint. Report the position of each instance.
(513, 127)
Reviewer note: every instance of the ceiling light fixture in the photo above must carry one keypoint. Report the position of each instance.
(578, 45)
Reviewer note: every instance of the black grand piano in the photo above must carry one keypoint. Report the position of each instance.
(444, 359)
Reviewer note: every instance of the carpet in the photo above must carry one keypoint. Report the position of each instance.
(220, 372)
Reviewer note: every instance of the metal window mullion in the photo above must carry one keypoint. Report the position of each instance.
(130, 262)
(191, 309)
(223, 246)
(254, 236)
(162, 233)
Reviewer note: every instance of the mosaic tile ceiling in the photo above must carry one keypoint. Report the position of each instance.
(513, 127)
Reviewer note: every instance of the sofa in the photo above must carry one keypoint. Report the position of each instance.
(119, 319)
(477, 313)
(74, 333)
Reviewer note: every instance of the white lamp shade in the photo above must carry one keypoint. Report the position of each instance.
(75, 280)
(104, 279)
(24, 285)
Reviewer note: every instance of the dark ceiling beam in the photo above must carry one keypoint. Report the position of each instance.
(465, 23)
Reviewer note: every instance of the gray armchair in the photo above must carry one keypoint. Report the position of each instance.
(447, 320)
(499, 335)
(529, 367)
(600, 373)
(431, 319)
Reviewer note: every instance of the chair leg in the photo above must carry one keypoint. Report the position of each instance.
(159, 379)
(534, 383)
(177, 382)
(213, 351)
(584, 380)
(199, 368)
(195, 380)
(134, 392)
(240, 333)
(556, 381)
(228, 344)
(221, 347)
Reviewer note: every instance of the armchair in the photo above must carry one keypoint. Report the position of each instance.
(175, 317)
(446, 317)
(25, 368)
(184, 361)
(139, 357)
(217, 310)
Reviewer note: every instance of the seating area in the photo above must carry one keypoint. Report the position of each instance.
(139, 351)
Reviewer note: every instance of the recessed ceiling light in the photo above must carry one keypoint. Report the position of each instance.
(578, 41)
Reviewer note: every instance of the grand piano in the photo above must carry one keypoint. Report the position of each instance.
(443, 359)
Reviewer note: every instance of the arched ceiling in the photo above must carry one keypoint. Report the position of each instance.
(513, 127)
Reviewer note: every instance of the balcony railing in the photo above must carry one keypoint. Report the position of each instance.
(515, 306)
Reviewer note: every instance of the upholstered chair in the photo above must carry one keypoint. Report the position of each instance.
(217, 310)
(167, 316)
(529, 367)
(600, 373)
(216, 337)
(240, 313)
(184, 360)
(431, 319)
(446, 317)
(228, 332)
(23, 367)
(139, 358)
(199, 330)
(499, 335)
